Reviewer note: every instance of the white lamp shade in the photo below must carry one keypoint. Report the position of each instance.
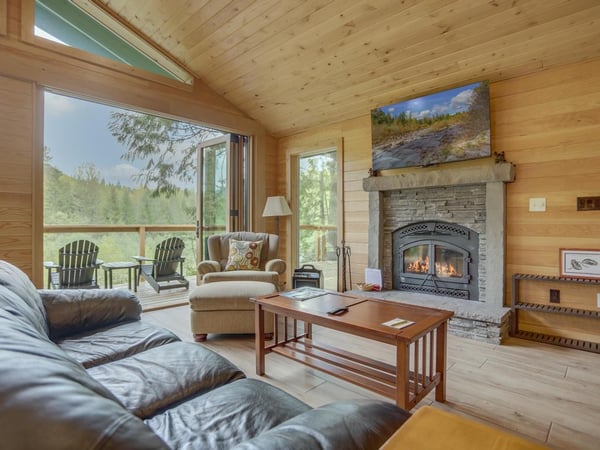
(276, 206)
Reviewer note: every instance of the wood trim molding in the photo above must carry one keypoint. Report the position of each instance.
(91, 81)
(489, 173)
(37, 189)
(3, 17)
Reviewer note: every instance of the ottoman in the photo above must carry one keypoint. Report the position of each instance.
(225, 307)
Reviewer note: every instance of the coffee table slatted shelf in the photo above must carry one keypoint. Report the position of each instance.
(518, 305)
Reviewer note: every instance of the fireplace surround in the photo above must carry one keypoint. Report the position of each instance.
(460, 200)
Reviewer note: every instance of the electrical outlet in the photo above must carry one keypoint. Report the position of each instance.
(554, 296)
(537, 204)
(598, 300)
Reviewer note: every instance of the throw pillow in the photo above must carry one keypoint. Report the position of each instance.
(244, 255)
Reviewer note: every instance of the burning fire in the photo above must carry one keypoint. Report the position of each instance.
(442, 269)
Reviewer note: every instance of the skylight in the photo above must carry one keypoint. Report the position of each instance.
(97, 32)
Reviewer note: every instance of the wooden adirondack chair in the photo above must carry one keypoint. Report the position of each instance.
(162, 272)
(77, 266)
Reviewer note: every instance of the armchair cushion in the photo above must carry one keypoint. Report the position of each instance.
(244, 255)
(243, 275)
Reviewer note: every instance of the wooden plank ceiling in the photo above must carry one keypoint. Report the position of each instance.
(298, 64)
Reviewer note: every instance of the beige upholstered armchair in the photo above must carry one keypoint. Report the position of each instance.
(235, 261)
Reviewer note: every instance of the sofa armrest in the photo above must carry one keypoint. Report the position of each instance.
(205, 267)
(276, 265)
(71, 311)
(350, 424)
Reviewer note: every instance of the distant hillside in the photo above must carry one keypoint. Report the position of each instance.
(69, 200)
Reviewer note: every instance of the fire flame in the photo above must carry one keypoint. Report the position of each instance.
(442, 269)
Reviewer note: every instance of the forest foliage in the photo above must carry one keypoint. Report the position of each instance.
(86, 199)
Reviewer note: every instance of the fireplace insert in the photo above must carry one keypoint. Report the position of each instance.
(437, 258)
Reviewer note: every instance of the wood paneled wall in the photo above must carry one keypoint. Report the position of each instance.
(548, 125)
(17, 103)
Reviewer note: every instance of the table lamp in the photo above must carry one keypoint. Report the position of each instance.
(275, 207)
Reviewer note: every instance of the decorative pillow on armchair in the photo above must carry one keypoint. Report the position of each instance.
(244, 255)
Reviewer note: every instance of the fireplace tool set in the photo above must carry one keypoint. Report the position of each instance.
(343, 253)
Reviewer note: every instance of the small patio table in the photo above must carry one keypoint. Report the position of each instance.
(110, 266)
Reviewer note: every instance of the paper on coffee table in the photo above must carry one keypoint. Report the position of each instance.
(397, 323)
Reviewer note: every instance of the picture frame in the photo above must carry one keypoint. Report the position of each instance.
(446, 126)
(580, 263)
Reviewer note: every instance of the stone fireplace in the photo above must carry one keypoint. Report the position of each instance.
(438, 238)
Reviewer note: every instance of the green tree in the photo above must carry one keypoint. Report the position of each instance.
(167, 147)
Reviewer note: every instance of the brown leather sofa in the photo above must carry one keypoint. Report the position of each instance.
(80, 370)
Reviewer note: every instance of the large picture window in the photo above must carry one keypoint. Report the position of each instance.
(123, 179)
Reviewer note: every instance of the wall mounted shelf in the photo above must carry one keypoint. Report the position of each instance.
(518, 305)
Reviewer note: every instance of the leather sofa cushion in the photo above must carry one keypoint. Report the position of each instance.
(159, 377)
(351, 425)
(19, 295)
(111, 343)
(48, 401)
(68, 313)
(226, 416)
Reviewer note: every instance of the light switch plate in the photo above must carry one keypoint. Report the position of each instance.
(537, 204)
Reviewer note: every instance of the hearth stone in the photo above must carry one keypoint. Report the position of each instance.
(474, 320)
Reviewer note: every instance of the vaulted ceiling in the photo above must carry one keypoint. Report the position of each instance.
(297, 64)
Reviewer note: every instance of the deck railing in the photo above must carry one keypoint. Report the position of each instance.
(319, 248)
(140, 229)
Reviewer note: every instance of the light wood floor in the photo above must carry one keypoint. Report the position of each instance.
(547, 393)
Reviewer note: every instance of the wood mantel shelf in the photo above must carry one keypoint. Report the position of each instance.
(489, 173)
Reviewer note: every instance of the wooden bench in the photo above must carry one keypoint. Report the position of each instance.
(430, 428)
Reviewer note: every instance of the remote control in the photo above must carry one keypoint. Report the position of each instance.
(338, 311)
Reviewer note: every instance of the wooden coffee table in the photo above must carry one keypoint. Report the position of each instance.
(420, 347)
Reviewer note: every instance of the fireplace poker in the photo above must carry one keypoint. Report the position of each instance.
(344, 253)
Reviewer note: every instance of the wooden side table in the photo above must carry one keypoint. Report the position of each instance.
(431, 428)
(108, 270)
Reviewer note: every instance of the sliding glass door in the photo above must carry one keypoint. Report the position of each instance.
(223, 191)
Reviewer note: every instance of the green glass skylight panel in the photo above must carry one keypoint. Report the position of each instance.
(75, 28)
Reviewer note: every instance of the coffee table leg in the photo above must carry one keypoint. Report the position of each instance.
(402, 375)
(440, 362)
(259, 330)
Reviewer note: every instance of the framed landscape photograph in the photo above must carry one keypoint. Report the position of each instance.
(452, 125)
(580, 263)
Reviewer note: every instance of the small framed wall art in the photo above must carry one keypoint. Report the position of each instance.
(576, 263)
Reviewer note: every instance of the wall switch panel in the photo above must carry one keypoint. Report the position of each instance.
(537, 204)
(554, 296)
(588, 203)
(598, 300)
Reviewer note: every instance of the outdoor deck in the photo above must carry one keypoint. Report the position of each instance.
(151, 300)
